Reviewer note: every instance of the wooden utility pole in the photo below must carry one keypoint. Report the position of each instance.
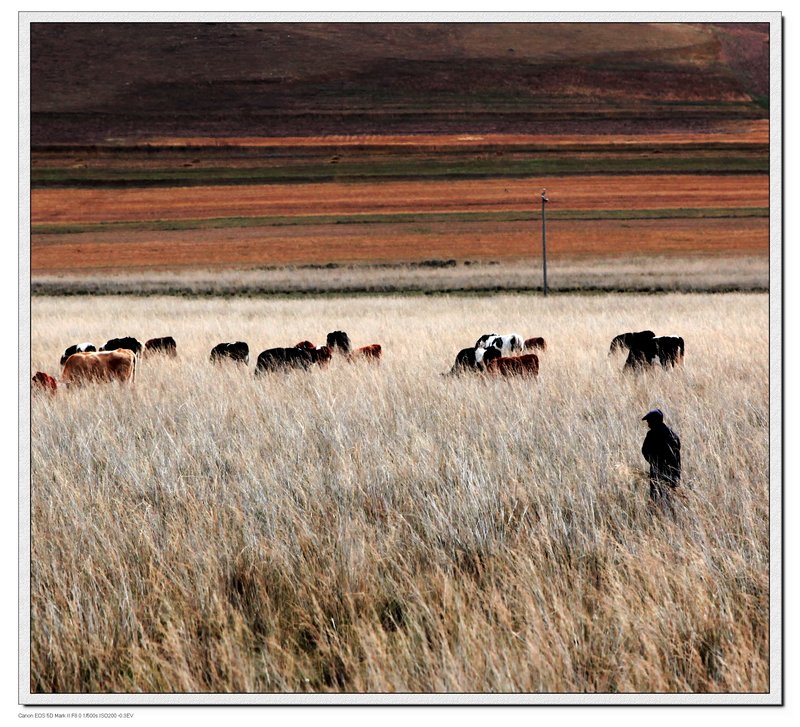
(544, 242)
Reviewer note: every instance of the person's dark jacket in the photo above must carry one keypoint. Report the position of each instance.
(662, 449)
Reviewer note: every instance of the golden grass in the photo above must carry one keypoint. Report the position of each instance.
(387, 529)
(664, 273)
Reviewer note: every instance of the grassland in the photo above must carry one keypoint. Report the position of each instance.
(387, 529)
(655, 273)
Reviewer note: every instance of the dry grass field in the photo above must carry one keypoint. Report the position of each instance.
(388, 529)
(696, 273)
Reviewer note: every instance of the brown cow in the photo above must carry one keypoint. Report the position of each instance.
(370, 353)
(119, 365)
(44, 382)
(525, 365)
(534, 343)
(165, 345)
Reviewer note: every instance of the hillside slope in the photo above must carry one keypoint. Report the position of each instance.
(94, 82)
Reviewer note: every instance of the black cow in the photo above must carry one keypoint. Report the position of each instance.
(77, 348)
(165, 345)
(642, 353)
(238, 351)
(276, 359)
(645, 350)
(640, 345)
(128, 342)
(626, 340)
(338, 340)
(669, 350)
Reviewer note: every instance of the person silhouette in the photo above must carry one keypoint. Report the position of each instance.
(662, 450)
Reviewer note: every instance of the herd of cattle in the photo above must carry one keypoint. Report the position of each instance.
(504, 355)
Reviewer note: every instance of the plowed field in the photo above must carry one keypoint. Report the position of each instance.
(494, 195)
(394, 243)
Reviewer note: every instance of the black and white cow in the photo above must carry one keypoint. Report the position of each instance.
(237, 351)
(507, 345)
(85, 347)
(474, 359)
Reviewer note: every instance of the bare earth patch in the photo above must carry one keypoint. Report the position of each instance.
(492, 195)
(406, 242)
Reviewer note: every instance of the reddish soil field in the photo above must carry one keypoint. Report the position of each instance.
(573, 193)
(394, 243)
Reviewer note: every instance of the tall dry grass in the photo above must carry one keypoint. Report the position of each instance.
(644, 274)
(387, 529)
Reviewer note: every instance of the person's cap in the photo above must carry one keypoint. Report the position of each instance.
(653, 414)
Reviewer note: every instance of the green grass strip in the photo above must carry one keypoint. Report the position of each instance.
(399, 218)
(397, 170)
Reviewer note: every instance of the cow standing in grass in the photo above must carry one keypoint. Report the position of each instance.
(473, 359)
(165, 345)
(128, 342)
(85, 347)
(507, 345)
(525, 365)
(237, 351)
(339, 341)
(41, 381)
(102, 366)
(669, 350)
(533, 344)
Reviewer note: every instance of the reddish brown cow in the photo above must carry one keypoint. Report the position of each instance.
(165, 346)
(534, 343)
(44, 382)
(525, 365)
(370, 353)
(305, 345)
(119, 365)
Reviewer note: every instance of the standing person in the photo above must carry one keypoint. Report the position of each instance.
(662, 450)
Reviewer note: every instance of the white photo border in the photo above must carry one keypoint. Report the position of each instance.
(776, 679)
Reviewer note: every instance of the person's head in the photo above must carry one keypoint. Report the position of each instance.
(653, 417)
